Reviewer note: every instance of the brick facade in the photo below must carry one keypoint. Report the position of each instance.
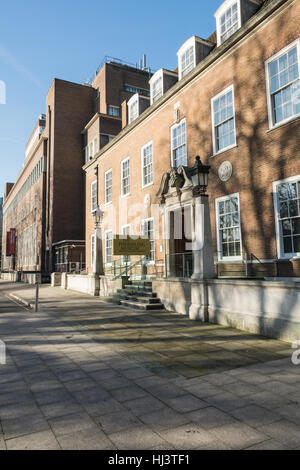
(49, 213)
(261, 156)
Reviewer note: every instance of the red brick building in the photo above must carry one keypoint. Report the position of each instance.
(235, 103)
(46, 205)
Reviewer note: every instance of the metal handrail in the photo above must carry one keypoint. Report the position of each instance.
(127, 268)
(252, 256)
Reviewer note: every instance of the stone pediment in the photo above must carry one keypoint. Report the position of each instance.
(174, 183)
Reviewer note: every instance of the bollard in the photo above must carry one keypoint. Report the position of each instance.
(36, 296)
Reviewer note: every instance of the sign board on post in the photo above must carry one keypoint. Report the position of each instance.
(128, 246)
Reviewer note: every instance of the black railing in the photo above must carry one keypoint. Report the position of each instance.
(137, 267)
(179, 265)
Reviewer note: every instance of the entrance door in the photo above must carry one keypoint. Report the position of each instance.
(180, 255)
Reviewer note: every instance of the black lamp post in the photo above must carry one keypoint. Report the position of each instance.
(199, 176)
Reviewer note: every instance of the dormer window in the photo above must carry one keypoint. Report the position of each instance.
(133, 108)
(232, 14)
(136, 106)
(187, 61)
(229, 22)
(186, 57)
(193, 51)
(156, 89)
(228, 18)
(156, 83)
(160, 83)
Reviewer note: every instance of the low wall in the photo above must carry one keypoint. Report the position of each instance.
(55, 279)
(269, 308)
(175, 293)
(27, 278)
(265, 307)
(12, 277)
(91, 284)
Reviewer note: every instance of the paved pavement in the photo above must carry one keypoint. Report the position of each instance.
(81, 374)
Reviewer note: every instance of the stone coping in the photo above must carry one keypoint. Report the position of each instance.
(246, 282)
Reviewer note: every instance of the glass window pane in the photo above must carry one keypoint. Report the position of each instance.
(284, 210)
(287, 244)
(296, 226)
(297, 244)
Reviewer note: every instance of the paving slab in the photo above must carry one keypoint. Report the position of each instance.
(88, 439)
(118, 421)
(14, 427)
(284, 431)
(75, 422)
(137, 438)
(44, 440)
(238, 435)
(190, 436)
(210, 417)
(106, 377)
(255, 416)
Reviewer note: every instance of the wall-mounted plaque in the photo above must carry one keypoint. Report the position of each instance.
(225, 171)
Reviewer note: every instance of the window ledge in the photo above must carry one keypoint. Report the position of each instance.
(147, 185)
(224, 150)
(290, 258)
(283, 124)
(231, 260)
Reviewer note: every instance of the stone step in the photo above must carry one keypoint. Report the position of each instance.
(139, 287)
(141, 305)
(137, 297)
(146, 300)
(137, 292)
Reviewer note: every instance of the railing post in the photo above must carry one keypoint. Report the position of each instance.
(36, 296)
(246, 264)
(183, 265)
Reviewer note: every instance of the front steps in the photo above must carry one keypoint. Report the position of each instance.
(138, 294)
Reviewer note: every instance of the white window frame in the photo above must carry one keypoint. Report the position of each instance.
(93, 250)
(122, 163)
(105, 247)
(94, 183)
(223, 8)
(142, 166)
(105, 186)
(171, 139)
(112, 107)
(215, 98)
(92, 149)
(272, 124)
(189, 43)
(157, 76)
(279, 240)
(219, 242)
(149, 219)
(123, 258)
(133, 100)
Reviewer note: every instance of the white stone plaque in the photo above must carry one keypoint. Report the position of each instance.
(225, 171)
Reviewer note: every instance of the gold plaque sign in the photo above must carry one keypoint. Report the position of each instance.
(126, 246)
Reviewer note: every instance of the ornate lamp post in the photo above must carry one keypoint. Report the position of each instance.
(202, 246)
(199, 176)
(98, 215)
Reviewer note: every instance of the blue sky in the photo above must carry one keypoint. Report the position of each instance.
(68, 39)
